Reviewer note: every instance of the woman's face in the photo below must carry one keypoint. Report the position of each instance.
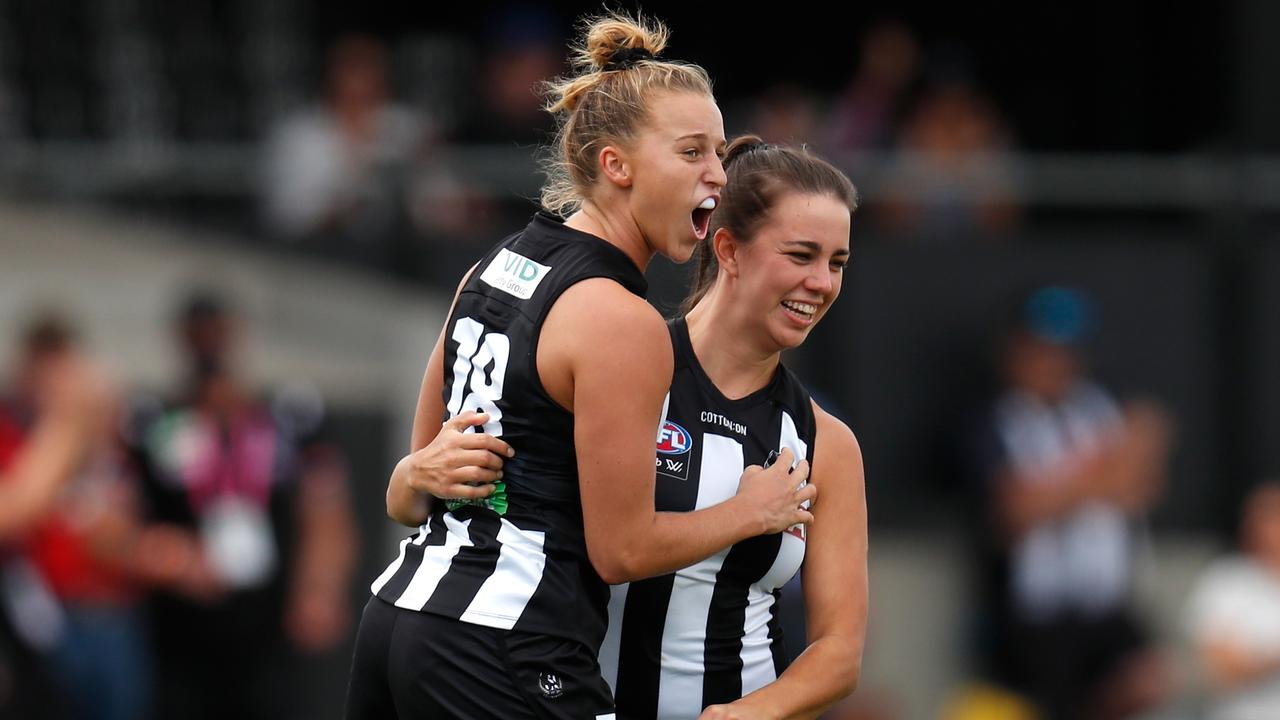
(676, 172)
(789, 275)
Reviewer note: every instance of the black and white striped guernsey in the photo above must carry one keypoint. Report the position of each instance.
(517, 560)
(709, 633)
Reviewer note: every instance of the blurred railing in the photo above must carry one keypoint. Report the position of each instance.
(1191, 181)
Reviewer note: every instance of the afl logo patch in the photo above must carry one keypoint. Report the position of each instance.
(673, 439)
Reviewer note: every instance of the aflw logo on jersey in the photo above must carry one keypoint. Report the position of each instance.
(514, 274)
(673, 439)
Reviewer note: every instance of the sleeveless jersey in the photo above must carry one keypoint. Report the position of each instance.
(709, 633)
(518, 559)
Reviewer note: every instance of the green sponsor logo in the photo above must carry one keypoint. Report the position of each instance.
(496, 502)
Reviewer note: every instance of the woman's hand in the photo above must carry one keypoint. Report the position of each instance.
(779, 495)
(456, 463)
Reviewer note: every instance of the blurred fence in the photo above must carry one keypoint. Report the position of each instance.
(1211, 183)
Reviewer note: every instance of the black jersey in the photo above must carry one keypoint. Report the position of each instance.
(709, 633)
(518, 559)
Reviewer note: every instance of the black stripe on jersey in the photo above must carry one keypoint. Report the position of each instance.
(679, 495)
(473, 564)
(672, 494)
(639, 663)
(777, 642)
(722, 649)
(413, 559)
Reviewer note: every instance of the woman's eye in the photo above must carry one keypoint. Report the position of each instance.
(691, 152)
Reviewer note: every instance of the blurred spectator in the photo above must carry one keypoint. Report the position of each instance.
(870, 109)
(522, 49)
(1066, 474)
(253, 510)
(81, 549)
(786, 114)
(56, 409)
(337, 175)
(58, 402)
(1235, 616)
(951, 176)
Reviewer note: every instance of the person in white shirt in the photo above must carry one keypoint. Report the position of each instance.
(1234, 616)
(1068, 473)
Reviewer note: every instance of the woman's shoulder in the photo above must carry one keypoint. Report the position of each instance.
(606, 318)
(603, 299)
(834, 436)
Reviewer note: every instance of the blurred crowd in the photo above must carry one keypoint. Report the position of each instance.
(365, 144)
(164, 554)
(362, 176)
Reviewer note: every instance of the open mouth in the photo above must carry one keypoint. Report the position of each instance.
(702, 216)
(701, 222)
(801, 312)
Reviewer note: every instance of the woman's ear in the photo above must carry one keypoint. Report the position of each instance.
(615, 166)
(726, 248)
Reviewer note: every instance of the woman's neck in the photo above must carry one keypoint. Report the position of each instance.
(614, 226)
(728, 349)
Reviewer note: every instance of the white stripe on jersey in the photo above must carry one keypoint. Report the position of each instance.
(757, 657)
(790, 438)
(436, 560)
(612, 645)
(685, 634)
(662, 421)
(684, 640)
(722, 466)
(503, 596)
(390, 572)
